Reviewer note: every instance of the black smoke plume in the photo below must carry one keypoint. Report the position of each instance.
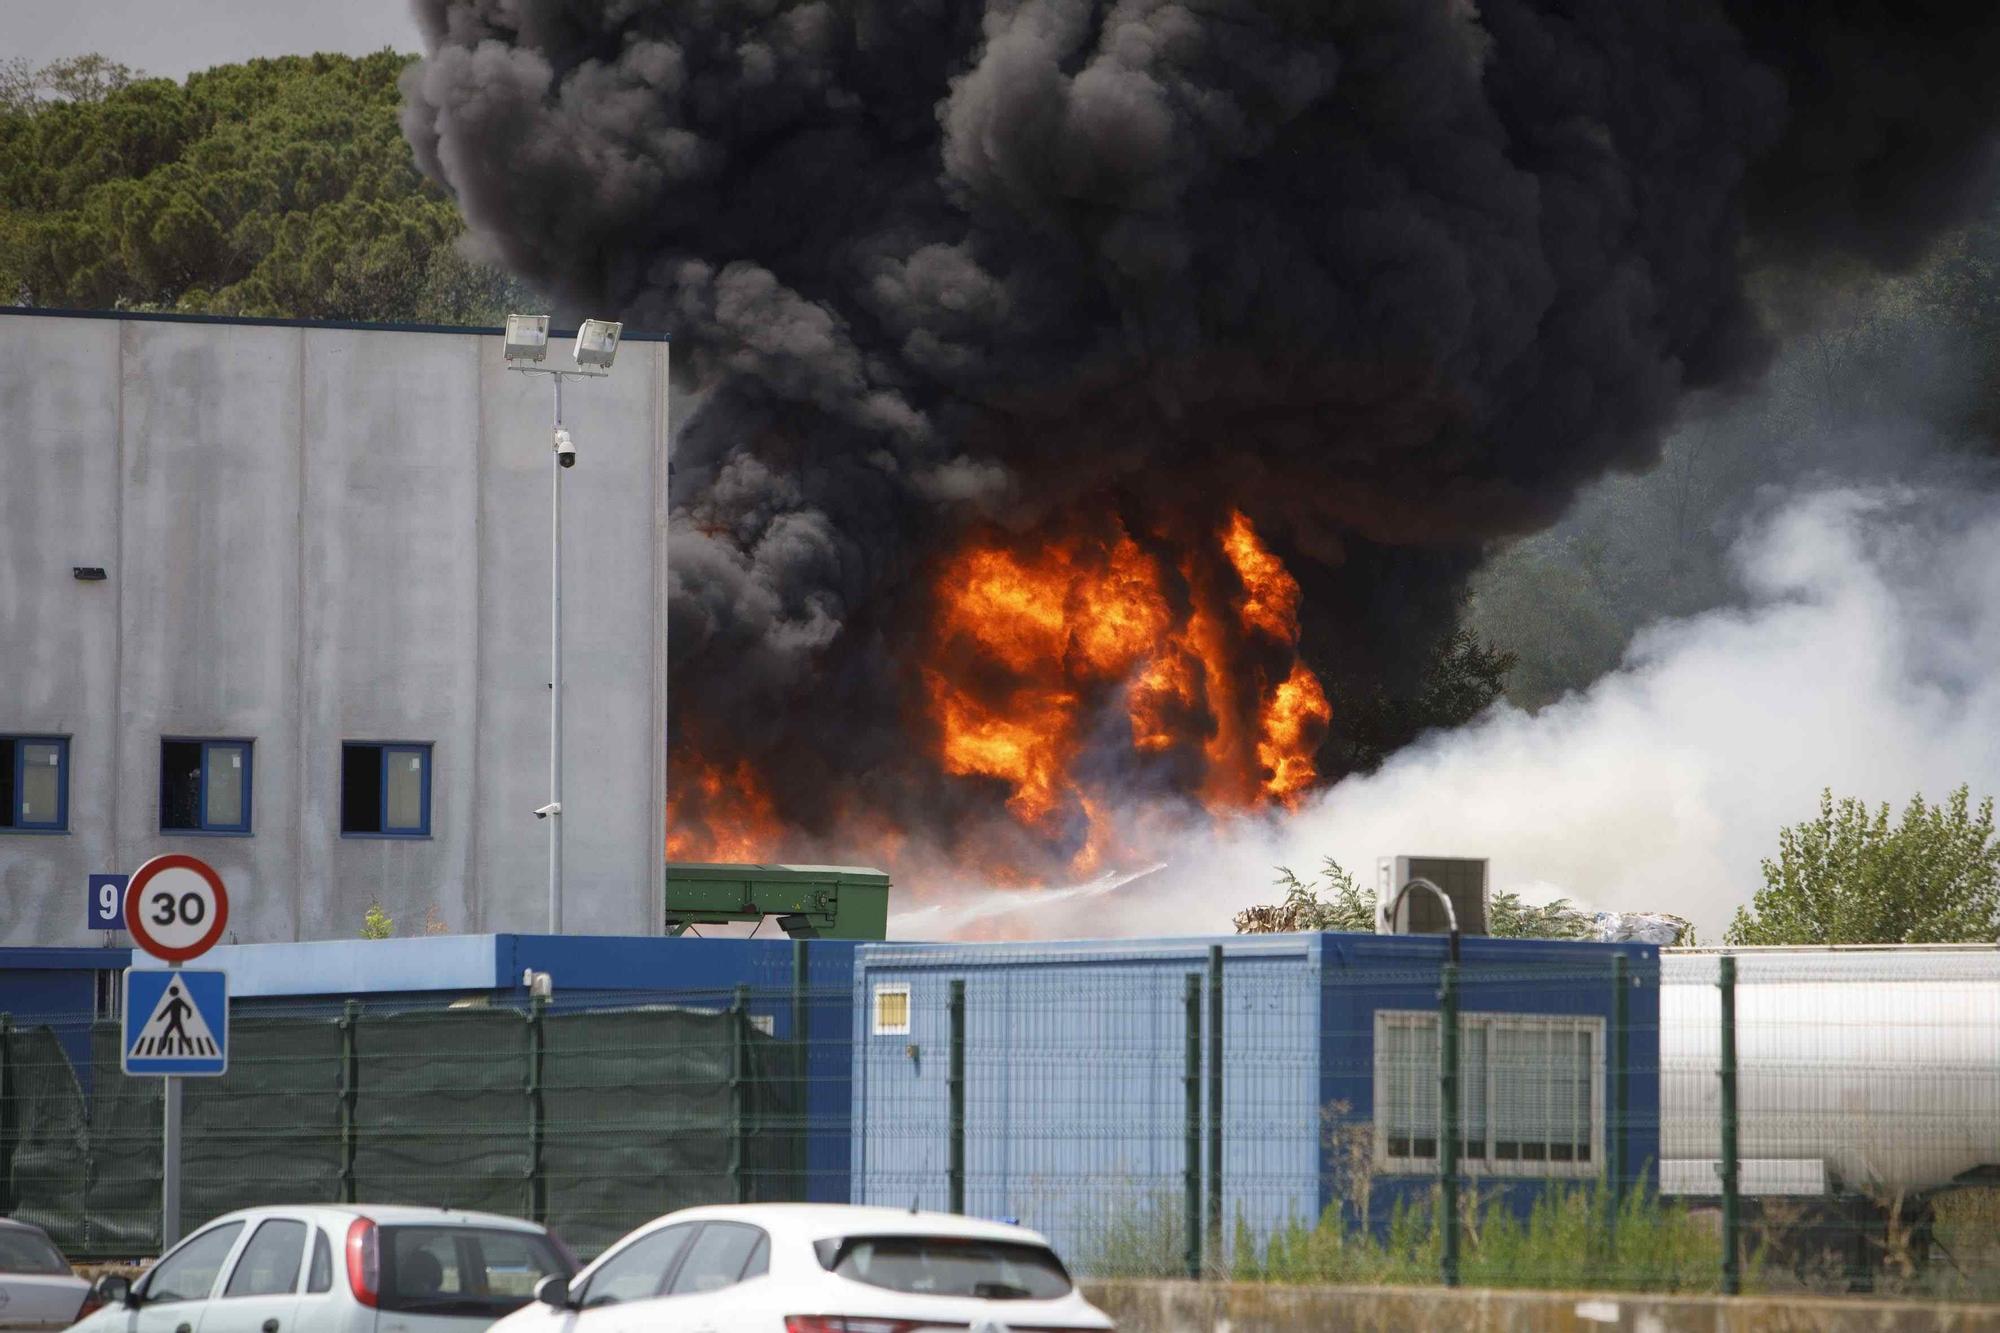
(1394, 277)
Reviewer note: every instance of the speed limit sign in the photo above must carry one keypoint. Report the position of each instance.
(175, 907)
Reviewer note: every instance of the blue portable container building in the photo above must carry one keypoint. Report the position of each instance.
(1076, 1069)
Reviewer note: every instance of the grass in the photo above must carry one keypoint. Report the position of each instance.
(1571, 1238)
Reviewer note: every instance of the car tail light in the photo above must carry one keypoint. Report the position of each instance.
(364, 1262)
(861, 1323)
(91, 1305)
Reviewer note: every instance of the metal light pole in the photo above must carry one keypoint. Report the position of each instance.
(555, 664)
(596, 345)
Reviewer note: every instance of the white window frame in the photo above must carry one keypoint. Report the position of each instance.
(1486, 1164)
(876, 1025)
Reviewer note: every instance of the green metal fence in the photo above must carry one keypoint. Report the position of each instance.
(1770, 1121)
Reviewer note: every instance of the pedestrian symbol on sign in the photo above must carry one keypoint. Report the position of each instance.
(176, 1022)
(175, 1027)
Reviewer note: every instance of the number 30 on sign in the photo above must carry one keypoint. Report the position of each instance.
(175, 907)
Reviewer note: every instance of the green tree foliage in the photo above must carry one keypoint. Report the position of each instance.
(1335, 902)
(1851, 877)
(1465, 675)
(377, 924)
(277, 188)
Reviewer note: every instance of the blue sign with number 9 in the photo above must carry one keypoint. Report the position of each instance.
(107, 902)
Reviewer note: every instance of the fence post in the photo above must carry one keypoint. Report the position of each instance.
(1732, 1272)
(955, 1092)
(9, 1120)
(1215, 1105)
(802, 1084)
(739, 1019)
(1192, 1080)
(1448, 1130)
(538, 1182)
(1615, 1130)
(350, 1087)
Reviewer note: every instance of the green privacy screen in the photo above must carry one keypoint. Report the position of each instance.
(593, 1121)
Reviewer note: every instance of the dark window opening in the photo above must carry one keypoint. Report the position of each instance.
(361, 789)
(6, 782)
(180, 784)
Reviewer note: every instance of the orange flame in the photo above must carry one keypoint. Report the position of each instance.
(1073, 674)
(719, 814)
(1029, 645)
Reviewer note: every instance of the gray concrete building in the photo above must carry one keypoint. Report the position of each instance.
(318, 654)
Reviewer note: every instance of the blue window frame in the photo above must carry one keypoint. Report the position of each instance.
(206, 786)
(385, 789)
(34, 784)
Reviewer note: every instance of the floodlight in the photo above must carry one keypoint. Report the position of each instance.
(597, 342)
(527, 337)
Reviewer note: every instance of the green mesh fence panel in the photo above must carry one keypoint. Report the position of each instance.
(122, 1193)
(50, 1148)
(645, 1110)
(442, 1115)
(640, 1117)
(774, 1130)
(269, 1130)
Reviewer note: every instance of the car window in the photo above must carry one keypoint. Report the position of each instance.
(716, 1259)
(269, 1264)
(321, 1278)
(464, 1270)
(188, 1274)
(24, 1251)
(948, 1266)
(639, 1271)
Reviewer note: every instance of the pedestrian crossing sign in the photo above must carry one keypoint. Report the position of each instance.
(176, 1022)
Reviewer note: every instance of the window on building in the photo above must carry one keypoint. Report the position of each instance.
(204, 786)
(892, 1011)
(1530, 1093)
(34, 783)
(385, 790)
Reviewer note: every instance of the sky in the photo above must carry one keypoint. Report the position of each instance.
(175, 37)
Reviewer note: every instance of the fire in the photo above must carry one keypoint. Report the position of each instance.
(1034, 649)
(1087, 677)
(719, 814)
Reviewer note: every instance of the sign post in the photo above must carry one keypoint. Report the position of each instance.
(176, 1022)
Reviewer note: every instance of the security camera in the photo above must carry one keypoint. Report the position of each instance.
(552, 808)
(565, 448)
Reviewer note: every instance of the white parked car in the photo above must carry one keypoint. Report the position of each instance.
(38, 1289)
(357, 1268)
(815, 1268)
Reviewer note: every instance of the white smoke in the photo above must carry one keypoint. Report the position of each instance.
(1864, 656)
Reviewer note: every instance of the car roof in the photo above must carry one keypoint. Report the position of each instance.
(387, 1214)
(820, 1221)
(10, 1224)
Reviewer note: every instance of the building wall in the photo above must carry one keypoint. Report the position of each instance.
(317, 534)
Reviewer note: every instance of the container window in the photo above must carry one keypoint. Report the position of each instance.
(1529, 1093)
(892, 1011)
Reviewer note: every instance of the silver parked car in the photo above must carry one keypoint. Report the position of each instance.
(37, 1287)
(353, 1268)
